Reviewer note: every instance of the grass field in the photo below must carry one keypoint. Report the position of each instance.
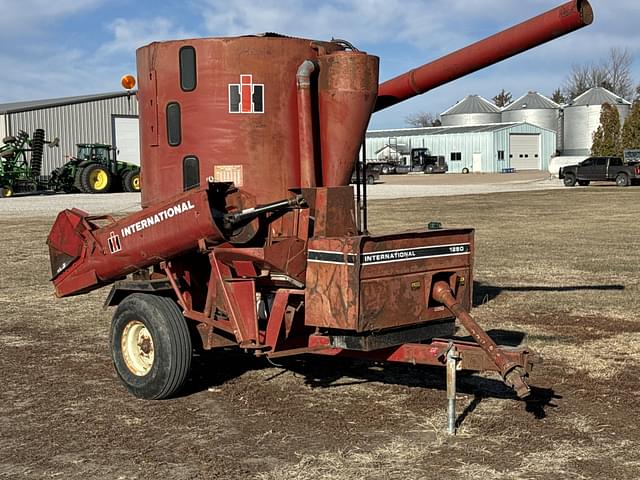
(561, 265)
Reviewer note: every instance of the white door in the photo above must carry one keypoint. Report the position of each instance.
(126, 138)
(477, 162)
(524, 151)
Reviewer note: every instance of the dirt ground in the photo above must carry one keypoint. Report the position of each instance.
(561, 265)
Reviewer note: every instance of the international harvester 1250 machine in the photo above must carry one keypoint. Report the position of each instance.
(248, 235)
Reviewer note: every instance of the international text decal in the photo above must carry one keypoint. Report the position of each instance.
(159, 217)
(246, 96)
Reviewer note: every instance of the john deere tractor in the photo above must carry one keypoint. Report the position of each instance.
(95, 170)
(18, 173)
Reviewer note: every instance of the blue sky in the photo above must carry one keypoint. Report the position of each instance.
(57, 48)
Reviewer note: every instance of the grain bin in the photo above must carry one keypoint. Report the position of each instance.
(472, 110)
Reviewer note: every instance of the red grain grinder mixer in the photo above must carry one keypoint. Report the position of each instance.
(248, 234)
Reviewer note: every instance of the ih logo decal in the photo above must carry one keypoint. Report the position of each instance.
(114, 243)
(246, 96)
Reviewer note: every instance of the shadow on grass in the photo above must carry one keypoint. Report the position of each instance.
(214, 368)
(483, 293)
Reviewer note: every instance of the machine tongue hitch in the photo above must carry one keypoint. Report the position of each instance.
(249, 234)
(512, 373)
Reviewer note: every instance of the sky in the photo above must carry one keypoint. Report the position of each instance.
(58, 48)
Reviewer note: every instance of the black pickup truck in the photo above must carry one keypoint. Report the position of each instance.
(601, 169)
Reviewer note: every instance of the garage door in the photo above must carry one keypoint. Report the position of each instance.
(524, 152)
(126, 138)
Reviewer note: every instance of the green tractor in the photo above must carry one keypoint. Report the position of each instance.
(95, 170)
(17, 172)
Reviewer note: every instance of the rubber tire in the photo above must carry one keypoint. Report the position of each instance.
(171, 340)
(384, 170)
(429, 169)
(85, 178)
(569, 180)
(127, 181)
(622, 180)
(465, 170)
(6, 191)
(370, 180)
(584, 183)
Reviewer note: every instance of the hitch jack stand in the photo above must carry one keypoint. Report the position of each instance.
(452, 363)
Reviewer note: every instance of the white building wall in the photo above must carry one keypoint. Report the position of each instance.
(3, 127)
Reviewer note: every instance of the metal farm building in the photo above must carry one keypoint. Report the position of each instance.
(478, 148)
(110, 118)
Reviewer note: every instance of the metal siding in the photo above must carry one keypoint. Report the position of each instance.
(3, 127)
(486, 143)
(88, 122)
(545, 118)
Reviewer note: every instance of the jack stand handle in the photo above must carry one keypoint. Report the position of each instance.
(452, 361)
(512, 373)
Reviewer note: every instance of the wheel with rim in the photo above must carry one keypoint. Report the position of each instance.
(584, 183)
(370, 180)
(384, 170)
(95, 178)
(569, 180)
(622, 180)
(429, 169)
(6, 191)
(131, 181)
(150, 346)
(465, 170)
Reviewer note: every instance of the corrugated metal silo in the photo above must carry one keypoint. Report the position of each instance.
(582, 118)
(472, 110)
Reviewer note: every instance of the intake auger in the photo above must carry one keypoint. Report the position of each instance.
(248, 233)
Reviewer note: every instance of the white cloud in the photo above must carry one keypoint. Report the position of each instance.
(130, 34)
(27, 16)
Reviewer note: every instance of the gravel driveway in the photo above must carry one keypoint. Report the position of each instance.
(389, 186)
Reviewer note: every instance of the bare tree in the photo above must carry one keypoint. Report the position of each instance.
(423, 119)
(503, 98)
(612, 73)
(619, 68)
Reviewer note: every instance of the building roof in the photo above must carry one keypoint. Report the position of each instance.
(488, 127)
(531, 101)
(472, 104)
(598, 96)
(57, 102)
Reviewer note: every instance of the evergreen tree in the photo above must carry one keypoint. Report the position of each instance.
(607, 138)
(503, 98)
(558, 97)
(631, 129)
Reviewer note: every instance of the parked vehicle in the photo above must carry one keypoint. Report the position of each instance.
(423, 161)
(600, 169)
(95, 170)
(373, 174)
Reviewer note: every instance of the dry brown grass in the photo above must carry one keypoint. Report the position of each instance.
(561, 265)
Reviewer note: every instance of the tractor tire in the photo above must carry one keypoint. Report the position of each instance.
(622, 180)
(6, 191)
(584, 183)
(150, 346)
(131, 181)
(569, 180)
(95, 178)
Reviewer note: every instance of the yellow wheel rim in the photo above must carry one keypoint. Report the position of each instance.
(135, 182)
(7, 191)
(137, 348)
(98, 179)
